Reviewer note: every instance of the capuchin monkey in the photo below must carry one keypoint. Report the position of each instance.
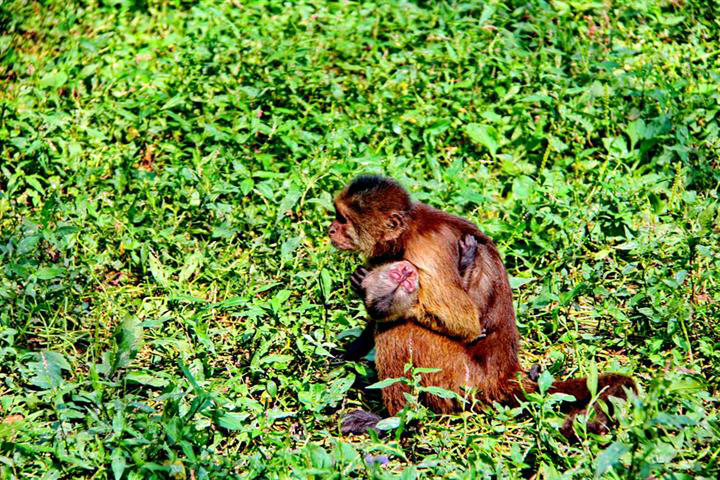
(438, 295)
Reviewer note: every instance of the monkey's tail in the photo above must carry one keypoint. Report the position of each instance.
(609, 385)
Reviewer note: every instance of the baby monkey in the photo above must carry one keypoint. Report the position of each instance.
(388, 291)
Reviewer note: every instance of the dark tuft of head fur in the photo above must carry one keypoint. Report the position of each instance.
(364, 183)
(382, 193)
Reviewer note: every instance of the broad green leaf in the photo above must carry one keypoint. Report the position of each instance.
(288, 202)
(636, 131)
(47, 369)
(33, 182)
(592, 378)
(325, 283)
(557, 144)
(669, 419)
(128, 340)
(233, 421)
(145, 379)
(340, 386)
(545, 381)
(517, 282)
(441, 392)
(48, 273)
(173, 102)
(426, 370)
(158, 271)
(484, 135)
(288, 248)
(670, 20)
(277, 359)
(118, 463)
(386, 383)
(279, 301)
(487, 13)
(610, 457)
(562, 397)
(28, 243)
(246, 186)
(685, 384)
(53, 79)
(192, 262)
(388, 423)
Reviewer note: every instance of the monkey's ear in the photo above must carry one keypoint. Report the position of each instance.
(396, 221)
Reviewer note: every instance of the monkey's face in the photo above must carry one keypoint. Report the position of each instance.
(404, 275)
(369, 218)
(342, 233)
(391, 290)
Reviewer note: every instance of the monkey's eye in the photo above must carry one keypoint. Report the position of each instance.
(340, 218)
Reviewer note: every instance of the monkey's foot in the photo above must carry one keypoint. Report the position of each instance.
(359, 422)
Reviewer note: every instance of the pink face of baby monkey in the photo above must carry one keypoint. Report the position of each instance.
(405, 275)
(391, 290)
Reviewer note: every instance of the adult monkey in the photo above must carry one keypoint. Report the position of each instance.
(458, 314)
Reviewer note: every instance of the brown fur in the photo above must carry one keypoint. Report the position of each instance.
(463, 326)
(399, 343)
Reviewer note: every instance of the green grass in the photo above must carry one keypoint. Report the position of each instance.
(171, 307)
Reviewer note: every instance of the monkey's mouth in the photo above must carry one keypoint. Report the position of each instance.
(342, 245)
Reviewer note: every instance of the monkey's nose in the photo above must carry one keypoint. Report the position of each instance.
(332, 230)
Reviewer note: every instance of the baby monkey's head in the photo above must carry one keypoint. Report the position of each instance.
(391, 290)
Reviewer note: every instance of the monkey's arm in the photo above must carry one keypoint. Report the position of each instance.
(362, 345)
(444, 304)
(365, 342)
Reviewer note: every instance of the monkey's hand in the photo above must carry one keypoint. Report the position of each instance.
(467, 251)
(356, 281)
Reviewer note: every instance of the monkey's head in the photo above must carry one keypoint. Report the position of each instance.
(391, 290)
(370, 211)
